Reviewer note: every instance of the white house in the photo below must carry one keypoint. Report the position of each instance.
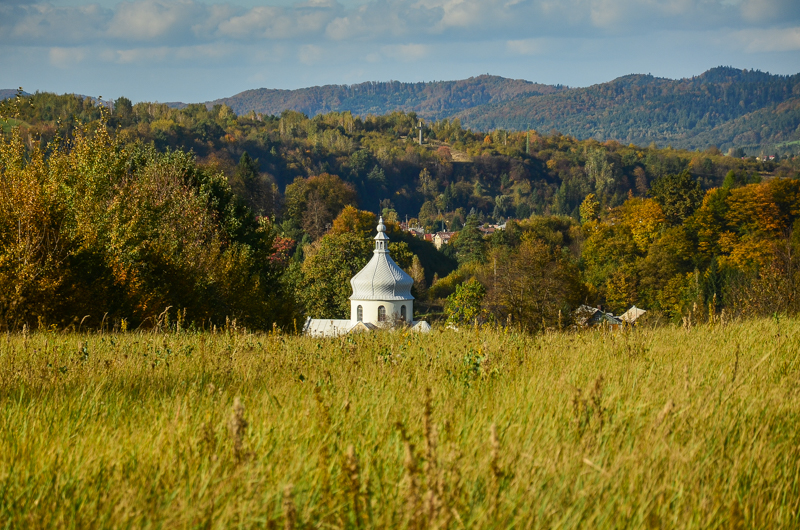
(381, 297)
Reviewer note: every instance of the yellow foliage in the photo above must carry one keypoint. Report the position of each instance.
(645, 219)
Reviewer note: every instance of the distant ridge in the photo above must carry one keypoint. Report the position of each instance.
(435, 99)
(6, 93)
(724, 106)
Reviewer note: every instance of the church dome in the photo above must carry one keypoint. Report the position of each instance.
(381, 278)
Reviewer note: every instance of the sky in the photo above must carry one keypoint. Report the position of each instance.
(193, 51)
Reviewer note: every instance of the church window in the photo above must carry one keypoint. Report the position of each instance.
(381, 314)
(360, 313)
(403, 312)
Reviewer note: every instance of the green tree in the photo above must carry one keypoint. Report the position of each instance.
(533, 285)
(255, 188)
(324, 290)
(420, 288)
(590, 209)
(314, 202)
(401, 254)
(679, 196)
(469, 242)
(464, 305)
(247, 169)
(123, 109)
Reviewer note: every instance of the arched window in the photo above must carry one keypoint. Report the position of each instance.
(381, 314)
(403, 312)
(360, 313)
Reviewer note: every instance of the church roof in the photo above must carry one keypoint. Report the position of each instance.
(381, 278)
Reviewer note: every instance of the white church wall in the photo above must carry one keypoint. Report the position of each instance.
(370, 310)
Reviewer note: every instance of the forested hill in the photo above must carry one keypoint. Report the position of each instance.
(6, 93)
(438, 99)
(724, 106)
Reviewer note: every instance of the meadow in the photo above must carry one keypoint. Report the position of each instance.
(668, 427)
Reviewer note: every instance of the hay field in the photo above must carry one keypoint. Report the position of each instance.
(656, 428)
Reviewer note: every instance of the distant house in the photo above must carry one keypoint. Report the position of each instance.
(630, 316)
(442, 238)
(428, 237)
(416, 231)
(588, 316)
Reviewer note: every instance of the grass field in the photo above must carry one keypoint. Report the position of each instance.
(656, 428)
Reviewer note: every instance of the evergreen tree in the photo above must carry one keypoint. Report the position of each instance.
(469, 242)
(679, 196)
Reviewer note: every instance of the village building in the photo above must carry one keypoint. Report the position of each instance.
(442, 238)
(588, 316)
(381, 297)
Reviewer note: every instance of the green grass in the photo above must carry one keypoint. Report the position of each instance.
(657, 428)
(6, 124)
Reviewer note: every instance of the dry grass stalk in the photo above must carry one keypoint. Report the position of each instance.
(495, 471)
(237, 425)
(352, 479)
(289, 509)
(433, 498)
(664, 414)
(410, 483)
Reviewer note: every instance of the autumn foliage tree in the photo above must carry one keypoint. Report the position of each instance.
(96, 228)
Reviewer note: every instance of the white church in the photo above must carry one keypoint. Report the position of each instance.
(381, 297)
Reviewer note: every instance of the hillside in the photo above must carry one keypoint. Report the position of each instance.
(438, 99)
(721, 107)
(6, 93)
(724, 106)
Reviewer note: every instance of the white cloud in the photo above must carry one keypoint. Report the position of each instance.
(527, 46)
(185, 22)
(769, 40)
(760, 11)
(310, 54)
(277, 23)
(405, 52)
(326, 41)
(66, 57)
(45, 24)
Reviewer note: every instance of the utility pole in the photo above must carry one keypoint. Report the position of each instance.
(419, 126)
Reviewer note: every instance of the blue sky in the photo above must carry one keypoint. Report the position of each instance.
(190, 50)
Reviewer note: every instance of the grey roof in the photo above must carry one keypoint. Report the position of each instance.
(326, 327)
(331, 327)
(381, 278)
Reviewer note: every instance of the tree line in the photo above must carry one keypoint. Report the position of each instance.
(114, 216)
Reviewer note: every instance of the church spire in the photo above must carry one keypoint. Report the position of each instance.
(381, 239)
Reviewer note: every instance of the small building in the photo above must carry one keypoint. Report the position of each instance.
(631, 315)
(381, 297)
(588, 316)
(442, 238)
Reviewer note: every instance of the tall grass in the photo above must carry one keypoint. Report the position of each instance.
(656, 428)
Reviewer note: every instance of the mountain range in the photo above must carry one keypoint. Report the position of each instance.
(724, 106)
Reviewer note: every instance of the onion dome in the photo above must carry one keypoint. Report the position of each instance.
(381, 278)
